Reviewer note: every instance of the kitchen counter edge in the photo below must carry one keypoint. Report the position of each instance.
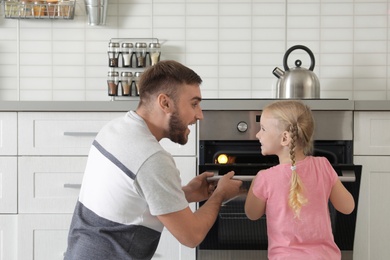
(206, 104)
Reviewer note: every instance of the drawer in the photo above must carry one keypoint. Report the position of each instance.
(60, 133)
(67, 133)
(49, 184)
(8, 133)
(8, 237)
(371, 133)
(8, 185)
(43, 237)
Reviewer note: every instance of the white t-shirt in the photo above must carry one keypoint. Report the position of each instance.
(129, 180)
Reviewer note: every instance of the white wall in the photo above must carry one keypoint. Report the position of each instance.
(233, 44)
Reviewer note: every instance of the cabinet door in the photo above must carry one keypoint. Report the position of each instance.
(43, 237)
(371, 133)
(60, 133)
(169, 248)
(8, 240)
(8, 185)
(8, 133)
(372, 229)
(49, 184)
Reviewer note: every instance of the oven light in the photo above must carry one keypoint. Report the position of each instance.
(222, 159)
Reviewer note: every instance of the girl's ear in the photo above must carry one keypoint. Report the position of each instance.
(286, 138)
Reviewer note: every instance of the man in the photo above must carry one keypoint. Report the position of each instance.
(132, 188)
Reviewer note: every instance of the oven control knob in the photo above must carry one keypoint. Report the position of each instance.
(242, 126)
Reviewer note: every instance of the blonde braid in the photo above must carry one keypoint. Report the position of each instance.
(295, 200)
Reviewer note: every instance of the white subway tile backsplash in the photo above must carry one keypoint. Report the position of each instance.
(233, 34)
(201, 59)
(337, 34)
(233, 45)
(332, 21)
(40, 83)
(205, 47)
(8, 59)
(379, 21)
(201, 34)
(370, 46)
(169, 9)
(337, 9)
(371, 83)
(201, 22)
(234, 71)
(235, 22)
(202, 9)
(233, 9)
(269, 8)
(370, 8)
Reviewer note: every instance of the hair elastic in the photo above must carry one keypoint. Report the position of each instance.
(293, 167)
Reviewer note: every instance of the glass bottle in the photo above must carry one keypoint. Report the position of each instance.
(113, 54)
(126, 82)
(39, 8)
(112, 82)
(127, 54)
(137, 76)
(140, 52)
(154, 53)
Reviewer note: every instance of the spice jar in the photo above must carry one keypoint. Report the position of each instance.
(127, 54)
(113, 54)
(39, 8)
(64, 7)
(24, 9)
(154, 53)
(52, 8)
(126, 82)
(137, 76)
(112, 82)
(140, 53)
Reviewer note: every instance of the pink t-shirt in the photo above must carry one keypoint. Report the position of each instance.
(309, 237)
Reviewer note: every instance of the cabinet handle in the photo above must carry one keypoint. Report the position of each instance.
(347, 176)
(72, 185)
(80, 133)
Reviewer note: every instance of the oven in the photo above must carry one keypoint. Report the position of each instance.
(228, 142)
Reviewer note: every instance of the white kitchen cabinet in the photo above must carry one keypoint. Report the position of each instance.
(60, 133)
(42, 236)
(371, 133)
(8, 185)
(8, 237)
(8, 133)
(53, 149)
(169, 248)
(372, 150)
(49, 184)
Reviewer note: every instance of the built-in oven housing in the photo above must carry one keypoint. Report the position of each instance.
(232, 133)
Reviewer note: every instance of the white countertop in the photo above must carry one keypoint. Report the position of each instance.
(207, 104)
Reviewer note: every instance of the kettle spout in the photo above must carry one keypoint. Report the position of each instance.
(278, 72)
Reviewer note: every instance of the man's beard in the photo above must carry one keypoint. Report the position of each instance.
(177, 129)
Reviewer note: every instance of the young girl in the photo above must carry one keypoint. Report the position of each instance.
(294, 195)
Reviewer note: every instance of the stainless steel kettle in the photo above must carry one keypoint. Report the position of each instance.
(297, 83)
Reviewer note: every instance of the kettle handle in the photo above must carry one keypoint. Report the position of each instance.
(293, 48)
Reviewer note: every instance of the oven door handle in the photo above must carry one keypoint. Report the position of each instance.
(235, 177)
(347, 176)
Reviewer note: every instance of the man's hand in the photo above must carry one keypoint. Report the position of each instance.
(199, 189)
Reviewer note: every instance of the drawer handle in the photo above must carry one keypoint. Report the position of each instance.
(80, 133)
(72, 185)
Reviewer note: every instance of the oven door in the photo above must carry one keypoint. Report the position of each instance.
(233, 231)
